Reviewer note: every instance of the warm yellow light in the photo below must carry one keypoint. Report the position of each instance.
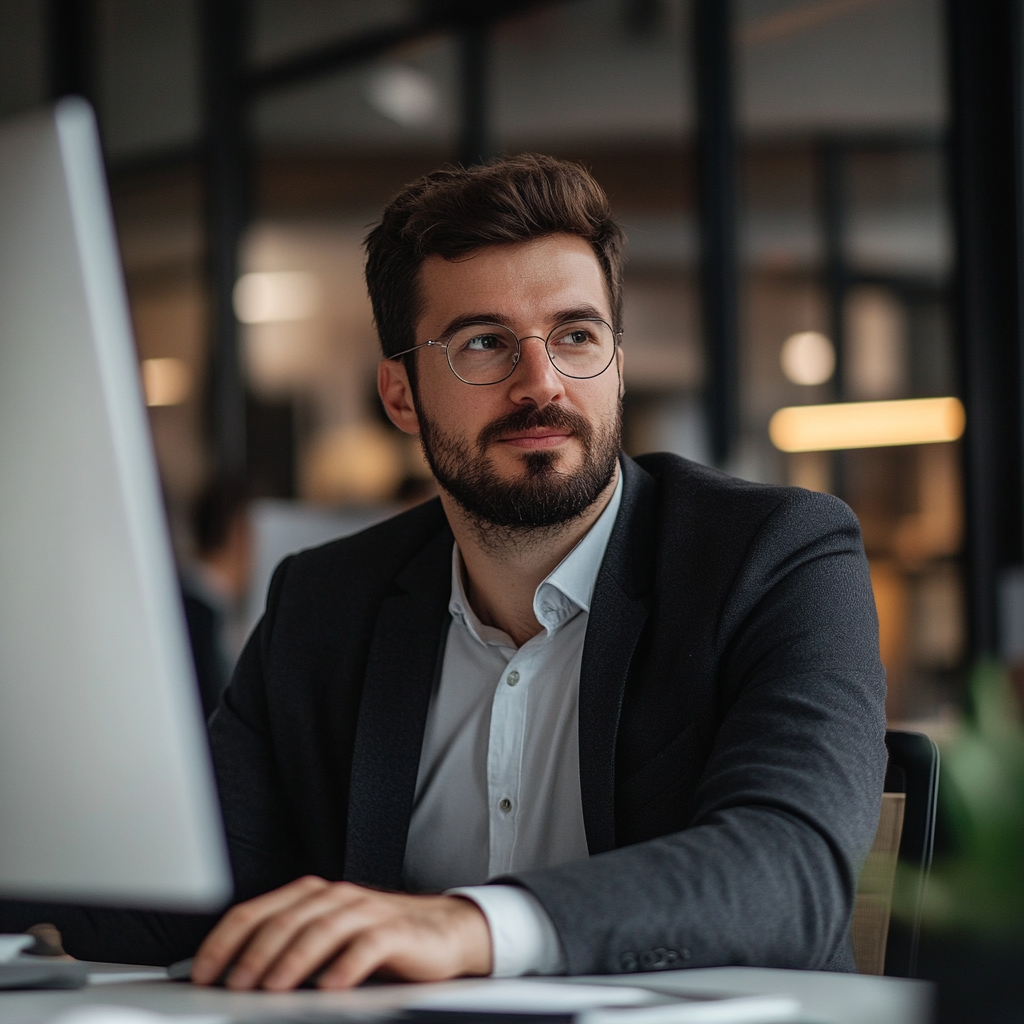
(818, 428)
(166, 381)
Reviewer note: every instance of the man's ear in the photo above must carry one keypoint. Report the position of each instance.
(396, 394)
(619, 357)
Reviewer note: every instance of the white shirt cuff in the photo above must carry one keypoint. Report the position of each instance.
(523, 939)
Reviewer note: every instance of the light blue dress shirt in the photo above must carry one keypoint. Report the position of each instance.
(498, 788)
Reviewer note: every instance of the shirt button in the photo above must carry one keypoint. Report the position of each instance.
(505, 804)
(512, 678)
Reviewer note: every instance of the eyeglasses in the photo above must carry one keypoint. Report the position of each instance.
(489, 353)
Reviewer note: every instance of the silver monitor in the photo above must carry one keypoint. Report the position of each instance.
(106, 788)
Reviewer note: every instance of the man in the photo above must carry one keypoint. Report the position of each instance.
(214, 583)
(641, 701)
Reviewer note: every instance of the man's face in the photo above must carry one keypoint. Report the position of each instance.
(538, 448)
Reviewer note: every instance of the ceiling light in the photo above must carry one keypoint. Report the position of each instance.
(166, 381)
(816, 428)
(274, 296)
(808, 358)
(402, 94)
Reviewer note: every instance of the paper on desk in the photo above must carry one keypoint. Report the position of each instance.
(126, 977)
(515, 996)
(100, 1014)
(689, 1010)
(609, 1004)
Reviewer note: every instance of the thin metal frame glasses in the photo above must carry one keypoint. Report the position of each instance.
(486, 350)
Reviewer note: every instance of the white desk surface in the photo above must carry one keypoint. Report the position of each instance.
(827, 998)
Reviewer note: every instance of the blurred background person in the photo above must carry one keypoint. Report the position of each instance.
(215, 582)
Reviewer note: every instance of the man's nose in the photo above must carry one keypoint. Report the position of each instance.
(535, 379)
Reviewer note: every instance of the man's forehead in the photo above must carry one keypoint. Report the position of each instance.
(556, 271)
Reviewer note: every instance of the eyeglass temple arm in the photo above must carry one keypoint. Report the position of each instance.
(422, 344)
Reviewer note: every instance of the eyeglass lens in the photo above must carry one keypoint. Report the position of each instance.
(486, 353)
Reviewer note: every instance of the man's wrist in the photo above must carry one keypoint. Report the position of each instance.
(473, 931)
(523, 939)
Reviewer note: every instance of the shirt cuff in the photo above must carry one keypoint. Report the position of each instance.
(523, 939)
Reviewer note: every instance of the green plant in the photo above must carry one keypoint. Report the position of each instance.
(977, 882)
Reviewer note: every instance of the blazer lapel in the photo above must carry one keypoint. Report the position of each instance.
(617, 615)
(405, 659)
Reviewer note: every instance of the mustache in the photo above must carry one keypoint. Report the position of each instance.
(529, 417)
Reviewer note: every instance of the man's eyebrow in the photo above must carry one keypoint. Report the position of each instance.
(469, 319)
(584, 312)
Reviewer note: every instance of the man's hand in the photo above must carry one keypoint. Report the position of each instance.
(279, 939)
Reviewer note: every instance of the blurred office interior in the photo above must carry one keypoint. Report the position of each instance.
(795, 178)
(823, 205)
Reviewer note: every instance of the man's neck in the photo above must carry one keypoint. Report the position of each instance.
(502, 569)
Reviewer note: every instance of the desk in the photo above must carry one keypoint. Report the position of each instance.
(831, 998)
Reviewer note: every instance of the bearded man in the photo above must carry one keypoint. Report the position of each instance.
(581, 713)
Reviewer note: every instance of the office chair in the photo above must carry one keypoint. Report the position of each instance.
(906, 835)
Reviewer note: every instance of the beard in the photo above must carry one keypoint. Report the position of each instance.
(541, 497)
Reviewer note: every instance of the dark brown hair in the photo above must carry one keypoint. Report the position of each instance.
(455, 210)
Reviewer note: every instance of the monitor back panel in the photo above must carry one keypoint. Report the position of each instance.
(106, 791)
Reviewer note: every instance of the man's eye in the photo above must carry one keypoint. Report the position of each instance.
(574, 337)
(484, 343)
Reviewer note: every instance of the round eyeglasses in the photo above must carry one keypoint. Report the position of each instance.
(484, 353)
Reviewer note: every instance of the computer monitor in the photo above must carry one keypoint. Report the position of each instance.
(106, 788)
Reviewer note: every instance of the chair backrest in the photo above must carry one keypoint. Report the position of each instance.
(917, 757)
(873, 904)
(905, 835)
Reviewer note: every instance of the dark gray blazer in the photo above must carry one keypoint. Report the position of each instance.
(731, 728)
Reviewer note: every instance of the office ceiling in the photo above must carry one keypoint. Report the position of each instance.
(584, 72)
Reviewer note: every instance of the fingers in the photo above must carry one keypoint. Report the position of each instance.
(400, 949)
(326, 931)
(368, 953)
(232, 933)
(300, 932)
(435, 939)
(277, 940)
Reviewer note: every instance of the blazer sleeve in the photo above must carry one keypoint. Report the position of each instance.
(788, 802)
(257, 822)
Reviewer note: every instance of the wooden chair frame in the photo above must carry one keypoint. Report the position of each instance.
(906, 835)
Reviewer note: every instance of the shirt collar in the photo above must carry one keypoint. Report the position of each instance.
(567, 590)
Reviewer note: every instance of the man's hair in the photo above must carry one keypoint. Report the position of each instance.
(455, 210)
